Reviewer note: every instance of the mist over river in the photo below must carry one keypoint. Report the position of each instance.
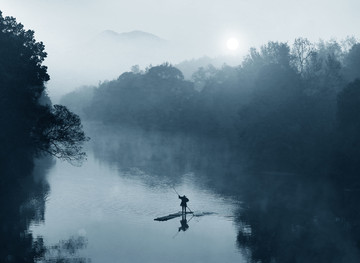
(104, 210)
(110, 202)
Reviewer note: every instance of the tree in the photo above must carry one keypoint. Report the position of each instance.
(276, 53)
(301, 52)
(22, 115)
(165, 71)
(59, 133)
(202, 75)
(352, 63)
(21, 56)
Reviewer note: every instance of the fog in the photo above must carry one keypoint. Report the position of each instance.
(168, 131)
(190, 29)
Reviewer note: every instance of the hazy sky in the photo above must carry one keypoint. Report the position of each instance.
(203, 24)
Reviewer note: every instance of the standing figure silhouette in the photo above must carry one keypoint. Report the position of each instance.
(183, 203)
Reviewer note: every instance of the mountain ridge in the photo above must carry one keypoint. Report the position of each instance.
(131, 35)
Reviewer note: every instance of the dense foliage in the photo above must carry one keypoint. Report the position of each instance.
(161, 98)
(290, 108)
(30, 125)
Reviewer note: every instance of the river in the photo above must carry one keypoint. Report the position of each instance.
(104, 210)
(107, 206)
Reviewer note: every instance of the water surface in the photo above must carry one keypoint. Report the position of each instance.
(112, 199)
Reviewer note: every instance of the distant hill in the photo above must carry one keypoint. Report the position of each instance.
(109, 53)
(133, 42)
(106, 56)
(135, 35)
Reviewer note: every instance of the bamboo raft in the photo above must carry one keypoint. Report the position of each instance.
(170, 216)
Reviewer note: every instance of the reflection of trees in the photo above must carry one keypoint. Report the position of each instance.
(22, 201)
(23, 192)
(66, 251)
(288, 219)
(158, 153)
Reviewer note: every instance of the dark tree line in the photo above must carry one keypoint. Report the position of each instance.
(290, 108)
(157, 99)
(30, 124)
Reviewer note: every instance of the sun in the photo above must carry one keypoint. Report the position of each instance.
(232, 44)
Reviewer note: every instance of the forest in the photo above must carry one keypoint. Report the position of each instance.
(286, 108)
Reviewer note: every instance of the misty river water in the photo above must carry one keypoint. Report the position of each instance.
(110, 202)
(104, 210)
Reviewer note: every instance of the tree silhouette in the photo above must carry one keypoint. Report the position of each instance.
(59, 133)
(302, 50)
(22, 93)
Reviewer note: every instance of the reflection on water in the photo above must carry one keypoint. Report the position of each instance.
(66, 251)
(23, 195)
(184, 224)
(104, 211)
(116, 211)
(22, 201)
(289, 218)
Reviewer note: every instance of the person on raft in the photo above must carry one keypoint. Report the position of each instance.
(183, 204)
